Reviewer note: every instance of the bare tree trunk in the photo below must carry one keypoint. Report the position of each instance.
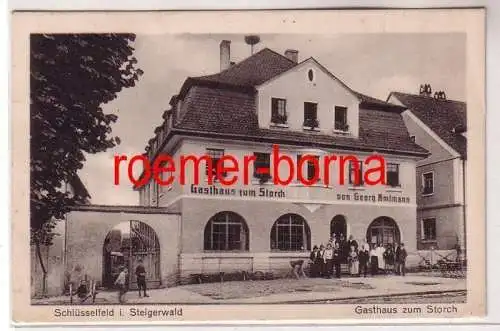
(44, 270)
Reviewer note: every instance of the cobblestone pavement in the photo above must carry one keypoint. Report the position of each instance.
(380, 289)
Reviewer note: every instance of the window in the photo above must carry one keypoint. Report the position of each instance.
(290, 233)
(262, 166)
(428, 183)
(310, 75)
(429, 229)
(341, 118)
(147, 195)
(278, 111)
(412, 138)
(392, 174)
(311, 114)
(311, 168)
(154, 197)
(352, 173)
(216, 155)
(226, 231)
(165, 175)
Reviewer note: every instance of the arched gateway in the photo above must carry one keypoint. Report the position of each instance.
(383, 230)
(126, 244)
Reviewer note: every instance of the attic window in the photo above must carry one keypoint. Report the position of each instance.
(310, 75)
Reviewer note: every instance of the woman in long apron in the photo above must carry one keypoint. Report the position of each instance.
(353, 262)
(373, 260)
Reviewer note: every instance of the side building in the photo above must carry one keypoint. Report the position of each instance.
(440, 126)
(272, 99)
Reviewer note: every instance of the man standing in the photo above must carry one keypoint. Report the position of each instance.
(402, 259)
(121, 282)
(337, 257)
(140, 272)
(397, 258)
(364, 255)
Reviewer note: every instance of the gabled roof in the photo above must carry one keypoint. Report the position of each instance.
(254, 70)
(223, 105)
(441, 116)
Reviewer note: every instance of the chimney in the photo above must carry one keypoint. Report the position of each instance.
(292, 54)
(225, 54)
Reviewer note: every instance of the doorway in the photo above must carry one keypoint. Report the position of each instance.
(338, 226)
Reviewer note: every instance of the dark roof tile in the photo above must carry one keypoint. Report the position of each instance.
(441, 116)
(254, 70)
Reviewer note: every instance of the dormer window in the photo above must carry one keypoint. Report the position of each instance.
(340, 119)
(311, 115)
(278, 111)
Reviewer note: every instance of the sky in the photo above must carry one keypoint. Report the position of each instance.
(373, 64)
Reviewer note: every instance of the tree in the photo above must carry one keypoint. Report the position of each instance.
(71, 77)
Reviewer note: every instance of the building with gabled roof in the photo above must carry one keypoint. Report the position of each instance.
(440, 126)
(271, 99)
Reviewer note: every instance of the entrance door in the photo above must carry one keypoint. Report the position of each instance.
(127, 244)
(383, 230)
(338, 227)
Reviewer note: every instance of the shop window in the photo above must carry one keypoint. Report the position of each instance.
(392, 174)
(383, 230)
(226, 231)
(290, 233)
(428, 183)
(429, 229)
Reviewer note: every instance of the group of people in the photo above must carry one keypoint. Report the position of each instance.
(326, 261)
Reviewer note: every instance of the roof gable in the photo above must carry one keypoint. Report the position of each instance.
(441, 116)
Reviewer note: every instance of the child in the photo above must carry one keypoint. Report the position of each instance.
(353, 262)
(120, 282)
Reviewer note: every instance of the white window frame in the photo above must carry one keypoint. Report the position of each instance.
(433, 184)
(347, 119)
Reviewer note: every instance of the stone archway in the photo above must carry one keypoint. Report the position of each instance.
(126, 244)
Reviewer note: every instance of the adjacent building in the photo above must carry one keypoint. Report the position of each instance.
(439, 125)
